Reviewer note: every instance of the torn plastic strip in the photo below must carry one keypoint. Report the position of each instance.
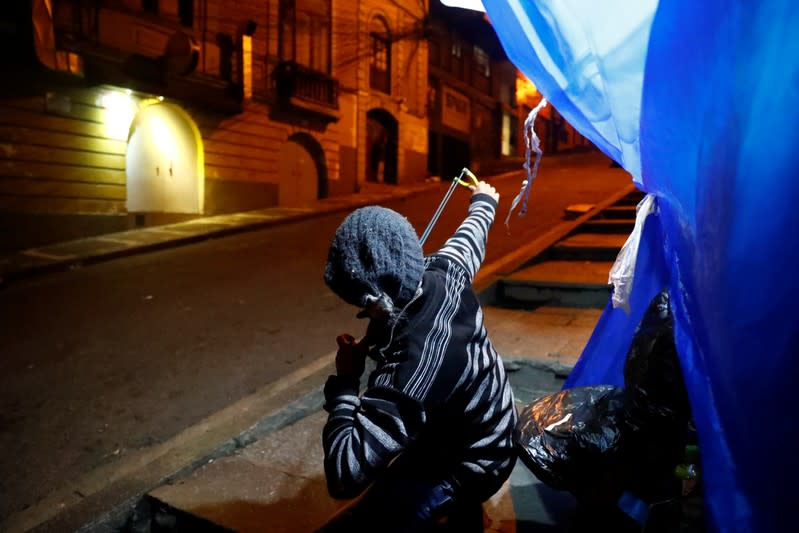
(532, 144)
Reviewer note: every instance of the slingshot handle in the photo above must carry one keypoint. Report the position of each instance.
(458, 180)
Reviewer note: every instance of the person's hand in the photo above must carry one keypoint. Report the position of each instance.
(351, 356)
(484, 188)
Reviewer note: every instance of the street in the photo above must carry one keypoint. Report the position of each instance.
(116, 357)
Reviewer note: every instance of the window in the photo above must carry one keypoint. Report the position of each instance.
(482, 63)
(507, 93)
(380, 57)
(305, 33)
(150, 6)
(186, 12)
(379, 73)
(434, 53)
(286, 16)
(456, 67)
(507, 144)
(69, 62)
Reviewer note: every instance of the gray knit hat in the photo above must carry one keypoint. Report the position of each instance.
(375, 252)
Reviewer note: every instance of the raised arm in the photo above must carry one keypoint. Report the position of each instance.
(467, 244)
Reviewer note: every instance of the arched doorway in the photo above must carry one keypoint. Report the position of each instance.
(381, 146)
(164, 162)
(303, 172)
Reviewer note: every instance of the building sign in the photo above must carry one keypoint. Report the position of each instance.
(455, 109)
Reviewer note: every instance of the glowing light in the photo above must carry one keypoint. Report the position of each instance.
(160, 98)
(525, 90)
(119, 112)
(162, 136)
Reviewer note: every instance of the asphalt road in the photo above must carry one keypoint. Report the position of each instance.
(115, 357)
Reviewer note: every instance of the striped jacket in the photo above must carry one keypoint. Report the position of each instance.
(438, 401)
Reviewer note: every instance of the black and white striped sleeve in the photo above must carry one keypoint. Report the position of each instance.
(467, 245)
(363, 435)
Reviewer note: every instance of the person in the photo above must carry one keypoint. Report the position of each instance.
(431, 434)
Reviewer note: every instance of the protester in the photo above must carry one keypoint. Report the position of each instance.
(431, 436)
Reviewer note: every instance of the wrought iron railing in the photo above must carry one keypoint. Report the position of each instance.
(296, 81)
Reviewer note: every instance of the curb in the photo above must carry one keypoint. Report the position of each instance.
(60, 265)
(98, 257)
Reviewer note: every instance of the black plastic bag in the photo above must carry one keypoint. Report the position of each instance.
(652, 375)
(597, 442)
(657, 407)
(570, 439)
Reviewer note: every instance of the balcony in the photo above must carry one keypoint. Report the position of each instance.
(152, 55)
(302, 89)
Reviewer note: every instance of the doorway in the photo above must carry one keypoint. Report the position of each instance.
(381, 146)
(164, 162)
(302, 171)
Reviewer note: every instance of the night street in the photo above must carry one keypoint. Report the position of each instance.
(106, 360)
(173, 355)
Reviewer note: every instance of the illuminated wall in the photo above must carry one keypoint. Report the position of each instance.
(63, 152)
(163, 164)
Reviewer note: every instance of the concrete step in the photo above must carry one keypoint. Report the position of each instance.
(632, 198)
(588, 247)
(609, 225)
(618, 211)
(557, 283)
(576, 210)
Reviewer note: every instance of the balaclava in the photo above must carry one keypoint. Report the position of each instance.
(375, 254)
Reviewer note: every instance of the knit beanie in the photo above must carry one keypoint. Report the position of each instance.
(375, 252)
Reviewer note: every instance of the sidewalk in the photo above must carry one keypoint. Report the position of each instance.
(63, 255)
(277, 483)
(270, 477)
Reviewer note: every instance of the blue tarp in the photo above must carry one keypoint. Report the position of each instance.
(698, 101)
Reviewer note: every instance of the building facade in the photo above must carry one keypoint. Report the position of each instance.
(472, 86)
(137, 112)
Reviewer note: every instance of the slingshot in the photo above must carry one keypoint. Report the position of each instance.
(458, 180)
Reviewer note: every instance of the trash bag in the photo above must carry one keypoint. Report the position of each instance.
(599, 441)
(652, 374)
(657, 409)
(570, 439)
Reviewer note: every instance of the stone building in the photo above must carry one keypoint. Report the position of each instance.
(472, 86)
(124, 113)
